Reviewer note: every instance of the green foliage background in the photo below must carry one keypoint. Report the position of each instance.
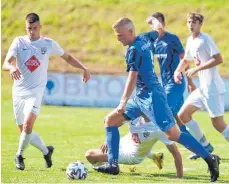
(83, 27)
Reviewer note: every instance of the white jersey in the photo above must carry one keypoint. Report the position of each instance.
(32, 59)
(145, 135)
(203, 48)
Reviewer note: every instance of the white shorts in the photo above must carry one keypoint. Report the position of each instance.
(214, 104)
(131, 153)
(23, 105)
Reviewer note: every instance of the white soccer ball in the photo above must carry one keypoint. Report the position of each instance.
(77, 171)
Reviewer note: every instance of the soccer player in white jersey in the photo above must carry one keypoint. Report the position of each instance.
(27, 61)
(137, 145)
(210, 95)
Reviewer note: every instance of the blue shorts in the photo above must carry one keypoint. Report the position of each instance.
(175, 97)
(155, 108)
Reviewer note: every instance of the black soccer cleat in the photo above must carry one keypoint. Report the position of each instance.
(48, 157)
(108, 168)
(19, 160)
(214, 168)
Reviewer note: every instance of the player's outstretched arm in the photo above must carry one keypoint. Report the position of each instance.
(130, 85)
(77, 64)
(177, 158)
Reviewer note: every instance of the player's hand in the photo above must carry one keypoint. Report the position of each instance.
(191, 87)
(121, 108)
(86, 75)
(154, 23)
(177, 77)
(191, 72)
(104, 148)
(15, 73)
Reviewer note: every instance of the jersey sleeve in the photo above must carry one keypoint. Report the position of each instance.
(134, 60)
(177, 46)
(56, 49)
(152, 35)
(187, 54)
(13, 50)
(211, 46)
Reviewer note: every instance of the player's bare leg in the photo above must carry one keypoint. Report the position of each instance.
(221, 126)
(95, 156)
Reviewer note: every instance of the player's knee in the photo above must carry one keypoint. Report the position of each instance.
(89, 156)
(27, 128)
(184, 116)
(107, 121)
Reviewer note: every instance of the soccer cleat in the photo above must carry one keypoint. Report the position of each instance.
(108, 168)
(158, 159)
(209, 148)
(19, 160)
(214, 168)
(48, 157)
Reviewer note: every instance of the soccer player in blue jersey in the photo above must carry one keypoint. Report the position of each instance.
(150, 100)
(169, 50)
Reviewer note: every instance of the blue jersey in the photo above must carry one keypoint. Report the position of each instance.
(139, 58)
(167, 49)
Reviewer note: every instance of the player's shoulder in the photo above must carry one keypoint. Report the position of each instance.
(47, 39)
(205, 36)
(172, 36)
(21, 38)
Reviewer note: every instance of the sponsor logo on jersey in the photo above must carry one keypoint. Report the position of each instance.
(32, 63)
(146, 134)
(135, 138)
(161, 56)
(43, 50)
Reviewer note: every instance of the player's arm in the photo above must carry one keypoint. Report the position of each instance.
(181, 67)
(77, 64)
(129, 88)
(10, 60)
(216, 60)
(177, 159)
(155, 25)
(191, 85)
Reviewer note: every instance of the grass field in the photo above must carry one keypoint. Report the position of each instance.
(75, 130)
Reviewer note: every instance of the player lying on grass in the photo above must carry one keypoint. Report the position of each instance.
(137, 145)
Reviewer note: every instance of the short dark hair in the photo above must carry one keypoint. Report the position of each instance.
(32, 17)
(159, 15)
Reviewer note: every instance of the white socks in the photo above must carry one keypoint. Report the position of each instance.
(226, 133)
(196, 132)
(23, 142)
(32, 138)
(38, 143)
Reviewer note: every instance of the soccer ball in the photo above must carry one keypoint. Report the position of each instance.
(77, 171)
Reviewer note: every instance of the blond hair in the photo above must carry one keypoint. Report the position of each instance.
(123, 21)
(196, 16)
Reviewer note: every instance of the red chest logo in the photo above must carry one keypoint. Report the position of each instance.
(135, 138)
(32, 63)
